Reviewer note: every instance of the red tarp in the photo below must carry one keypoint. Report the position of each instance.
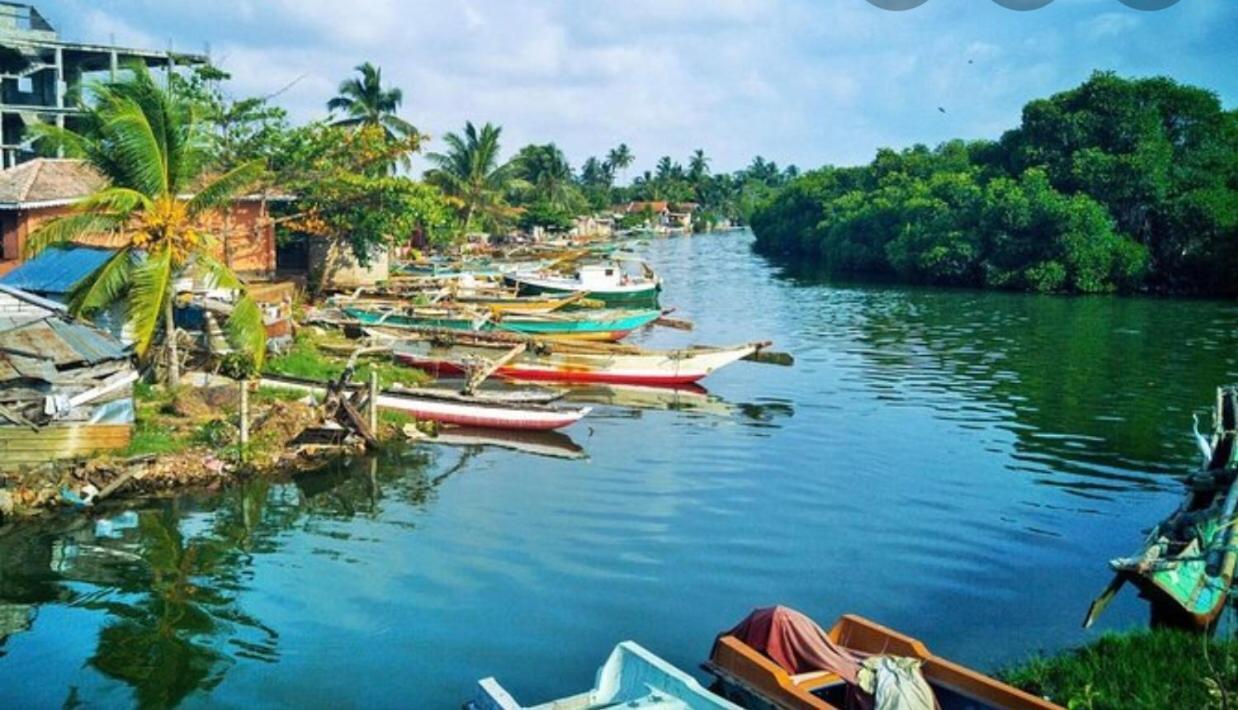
(795, 642)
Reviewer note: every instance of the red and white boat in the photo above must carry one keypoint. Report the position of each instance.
(568, 362)
(489, 412)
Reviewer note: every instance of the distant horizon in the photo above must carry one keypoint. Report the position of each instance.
(793, 82)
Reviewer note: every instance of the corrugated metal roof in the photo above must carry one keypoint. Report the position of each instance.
(56, 270)
(62, 342)
(91, 343)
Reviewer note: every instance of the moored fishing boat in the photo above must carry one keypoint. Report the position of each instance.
(631, 677)
(571, 362)
(1186, 567)
(458, 409)
(614, 282)
(591, 325)
(778, 658)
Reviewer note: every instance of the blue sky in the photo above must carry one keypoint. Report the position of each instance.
(803, 81)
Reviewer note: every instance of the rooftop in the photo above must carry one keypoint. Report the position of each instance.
(47, 182)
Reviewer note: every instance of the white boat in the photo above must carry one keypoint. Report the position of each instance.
(570, 362)
(458, 409)
(632, 677)
(612, 282)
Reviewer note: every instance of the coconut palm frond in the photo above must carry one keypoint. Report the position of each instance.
(149, 291)
(118, 201)
(138, 150)
(245, 330)
(103, 287)
(225, 187)
(62, 230)
(218, 275)
(52, 140)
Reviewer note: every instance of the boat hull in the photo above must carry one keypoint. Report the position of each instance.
(460, 412)
(660, 369)
(535, 287)
(596, 329)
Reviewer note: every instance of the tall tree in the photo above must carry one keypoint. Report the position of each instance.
(364, 101)
(548, 174)
(620, 158)
(470, 173)
(148, 146)
(698, 166)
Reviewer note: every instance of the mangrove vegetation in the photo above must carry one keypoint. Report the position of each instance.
(1116, 185)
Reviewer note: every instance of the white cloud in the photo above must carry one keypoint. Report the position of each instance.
(803, 81)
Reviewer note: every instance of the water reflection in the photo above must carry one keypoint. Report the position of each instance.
(1096, 391)
(166, 581)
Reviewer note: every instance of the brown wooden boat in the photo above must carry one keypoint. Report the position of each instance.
(751, 678)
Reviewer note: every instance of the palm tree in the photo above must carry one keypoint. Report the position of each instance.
(364, 102)
(471, 174)
(698, 165)
(147, 145)
(619, 158)
(665, 169)
(546, 170)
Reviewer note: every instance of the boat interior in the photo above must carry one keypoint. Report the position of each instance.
(752, 679)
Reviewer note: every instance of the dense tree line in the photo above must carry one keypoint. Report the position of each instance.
(1116, 185)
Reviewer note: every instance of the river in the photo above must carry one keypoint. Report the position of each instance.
(956, 464)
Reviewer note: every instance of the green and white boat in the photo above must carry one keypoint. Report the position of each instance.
(1186, 567)
(615, 282)
(606, 325)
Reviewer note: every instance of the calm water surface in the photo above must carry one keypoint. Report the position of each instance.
(956, 464)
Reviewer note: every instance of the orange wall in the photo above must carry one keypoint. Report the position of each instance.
(251, 239)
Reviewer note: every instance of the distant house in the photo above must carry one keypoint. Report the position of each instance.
(665, 215)
(45, 188)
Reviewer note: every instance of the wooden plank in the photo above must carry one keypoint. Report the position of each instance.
(480, 377)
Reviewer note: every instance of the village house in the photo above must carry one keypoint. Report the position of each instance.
(45, 188)
(663, 214)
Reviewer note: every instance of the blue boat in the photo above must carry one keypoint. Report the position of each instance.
(632, 677)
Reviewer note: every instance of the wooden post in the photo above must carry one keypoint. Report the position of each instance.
(374, 401)
(244, 417)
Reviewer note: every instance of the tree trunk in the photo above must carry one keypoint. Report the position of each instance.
(169, 334)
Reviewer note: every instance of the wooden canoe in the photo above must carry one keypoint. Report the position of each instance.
(750, 678)
(1186, 567)
(458, 409)
(599, 325)
(566, 362)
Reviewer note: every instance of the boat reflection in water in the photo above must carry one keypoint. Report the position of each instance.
(693, 399)
(553, 444)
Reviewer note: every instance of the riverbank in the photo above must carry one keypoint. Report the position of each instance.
(1136, 669)
(188, 438)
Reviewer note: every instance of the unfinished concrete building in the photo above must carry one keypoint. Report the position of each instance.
(41, 76)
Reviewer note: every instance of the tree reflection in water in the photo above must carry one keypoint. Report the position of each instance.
(171, 581)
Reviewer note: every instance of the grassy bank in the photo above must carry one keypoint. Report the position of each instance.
(1140, 669)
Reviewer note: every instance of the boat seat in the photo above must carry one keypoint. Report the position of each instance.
(815, 679)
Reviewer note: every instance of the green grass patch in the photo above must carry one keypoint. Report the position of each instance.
(1142, 669)
(307, 360)
(150, 437)
(268, 395)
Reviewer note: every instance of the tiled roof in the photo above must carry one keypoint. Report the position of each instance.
(64, 180)
(47, 180)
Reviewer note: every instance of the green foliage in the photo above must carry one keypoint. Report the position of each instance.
(1117, 185)
(344, 191)
(1145, 669)
(307, 360)
(473, 178)
(546, 215)
(363, 101)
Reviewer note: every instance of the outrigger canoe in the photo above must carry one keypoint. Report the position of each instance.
(570, 362)
(1186, 567)
(632, 677)
(779, 658)
(458, 409)
(593, 325)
